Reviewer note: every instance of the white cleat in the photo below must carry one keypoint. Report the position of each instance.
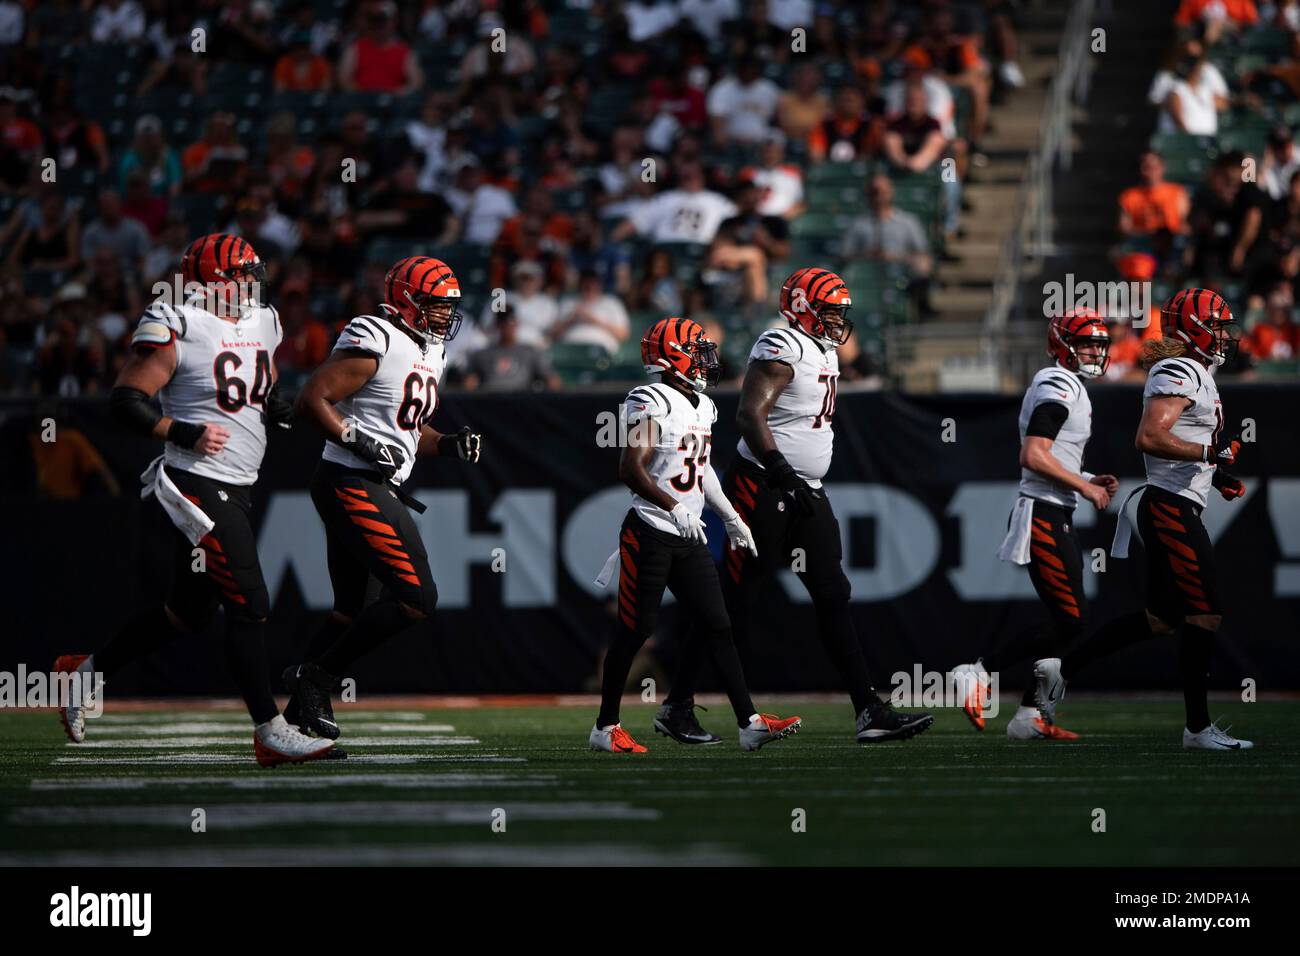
(1213, 738)
(765, 728)
(1050, 686)
(1028, 724)
(81, 695)
(275, 742)
(972, 683)
(613, 739)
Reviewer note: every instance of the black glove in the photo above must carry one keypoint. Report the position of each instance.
(278, 409)
(796, 492)
(465, 444)
(1229, 486)
(1225, 452)
(387, 458)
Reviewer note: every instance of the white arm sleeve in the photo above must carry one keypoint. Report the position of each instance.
(714, 497)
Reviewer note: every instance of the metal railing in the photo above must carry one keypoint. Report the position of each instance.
(1031, 238)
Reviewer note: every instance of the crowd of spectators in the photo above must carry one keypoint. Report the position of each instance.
(584, 165)
(1217, 197)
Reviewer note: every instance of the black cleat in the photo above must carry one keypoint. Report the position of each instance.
(678, 722)
(876, 724)
(310, 701)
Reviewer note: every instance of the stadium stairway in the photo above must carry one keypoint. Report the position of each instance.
(964, 289)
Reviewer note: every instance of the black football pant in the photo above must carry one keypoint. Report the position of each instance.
(222, 570)
(369, 533)
(649, 561)
(810, 546)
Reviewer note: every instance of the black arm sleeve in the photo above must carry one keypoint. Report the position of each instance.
(132, 410)
(1046, 420)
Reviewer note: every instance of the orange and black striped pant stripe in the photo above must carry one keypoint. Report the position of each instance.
(369, 532)
(1056, 567)
(1182, 577)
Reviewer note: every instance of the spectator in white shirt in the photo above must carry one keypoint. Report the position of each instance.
(741, 106)
(780, 184)
(646, 20)
(11, 23)
(117, 21)
(689, 213)
(481, 206)
(708, 16)
(1281, 162)
(535, 309)
(1190, 95)
(592, 317)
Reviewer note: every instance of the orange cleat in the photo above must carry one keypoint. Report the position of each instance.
(765, 728)
(614, 740)
(73, 714)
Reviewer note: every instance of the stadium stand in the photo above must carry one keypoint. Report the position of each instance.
(342, 135)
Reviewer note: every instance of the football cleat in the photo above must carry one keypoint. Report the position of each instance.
(73, 716)
(972, 682)
(275, 742)
(764, 728)
(878, 724)
(678, 722)
(1049, 686)
(1028, 724)
(614, 739)
(1213, 738)
(309, 701)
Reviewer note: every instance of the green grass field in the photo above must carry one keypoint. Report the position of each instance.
(423, 787)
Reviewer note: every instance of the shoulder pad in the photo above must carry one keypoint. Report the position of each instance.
(365, 333)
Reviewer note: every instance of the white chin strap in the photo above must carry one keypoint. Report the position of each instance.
(1090, 370)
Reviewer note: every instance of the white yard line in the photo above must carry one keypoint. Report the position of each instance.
(249, 816)
(239, 717)
(394, 781)
(225, 727)
(181, 743)
(106, 761)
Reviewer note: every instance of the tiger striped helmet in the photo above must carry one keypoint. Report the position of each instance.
(1202, 321)
(1066, 333)
(679, 346)
(817, 302)
(220, 256)
(423, 292)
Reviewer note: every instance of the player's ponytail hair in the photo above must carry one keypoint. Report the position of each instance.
(1153, 350)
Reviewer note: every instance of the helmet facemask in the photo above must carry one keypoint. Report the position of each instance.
(705, 370)
(432, 318)
(831, 324)
(1097, 367)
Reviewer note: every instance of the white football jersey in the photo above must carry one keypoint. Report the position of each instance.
(399, 398)
(224, 371)
(685, 438)
(1200, 422)
(1058, 385)
(800, 419)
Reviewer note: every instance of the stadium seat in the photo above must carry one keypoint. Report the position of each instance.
(579, 364)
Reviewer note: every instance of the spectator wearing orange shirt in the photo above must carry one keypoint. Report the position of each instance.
(67, 465)
(1155, 206)
(1275, 338)
(20, 141)
(958, 59)
(300, 70)
(218, 161)
(1218, 16)
(1153, 215)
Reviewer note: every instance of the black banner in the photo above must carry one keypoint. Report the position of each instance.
(922, 486)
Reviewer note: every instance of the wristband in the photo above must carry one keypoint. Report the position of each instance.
(775, 461)
(1087, 476)
(185, 434)
(447, 445)
(1205, 454)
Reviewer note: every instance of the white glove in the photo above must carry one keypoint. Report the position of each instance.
(689, 526)
(739, 535)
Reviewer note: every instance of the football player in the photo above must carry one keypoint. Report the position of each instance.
(211, 361)
(1181, 437)
(1055, 425)
(373, 398)
(775, 482)
(665, 464)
